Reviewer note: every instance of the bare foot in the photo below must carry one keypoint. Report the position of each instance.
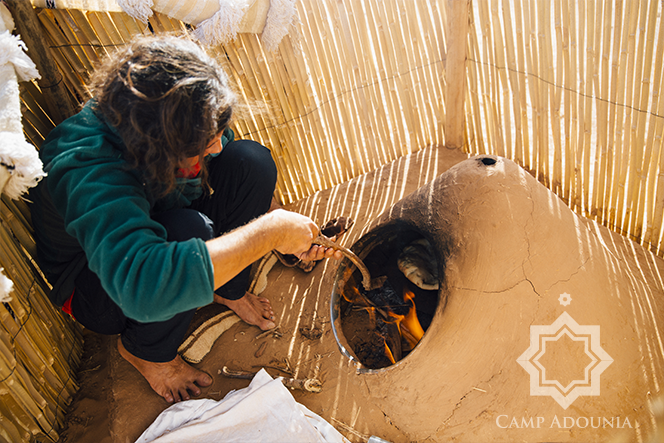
(252, 309)
(173, 380)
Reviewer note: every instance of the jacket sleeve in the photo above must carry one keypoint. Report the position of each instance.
(106, 209)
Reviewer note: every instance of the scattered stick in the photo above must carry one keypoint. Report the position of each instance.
(307, 384)
(350, 429)
(311, 333)
(276, 332)
(90, 370)
(261, 349)
(245, 375)
(282, 366)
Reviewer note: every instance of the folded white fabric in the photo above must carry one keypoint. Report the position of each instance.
(265, 411)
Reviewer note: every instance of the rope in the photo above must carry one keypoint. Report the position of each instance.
(53, 85)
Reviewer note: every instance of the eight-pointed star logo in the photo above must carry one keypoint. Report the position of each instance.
(564, 393)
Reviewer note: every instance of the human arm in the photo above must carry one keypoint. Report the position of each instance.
(287, 232)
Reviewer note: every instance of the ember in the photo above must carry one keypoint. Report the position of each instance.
(384, 329)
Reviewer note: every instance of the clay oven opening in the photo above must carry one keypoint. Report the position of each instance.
(378, 328)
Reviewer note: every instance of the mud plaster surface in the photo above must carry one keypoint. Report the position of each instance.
(115, 404)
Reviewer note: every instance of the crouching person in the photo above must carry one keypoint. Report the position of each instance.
(151, 209)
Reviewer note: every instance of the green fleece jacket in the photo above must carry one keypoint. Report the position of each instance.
(93, 208)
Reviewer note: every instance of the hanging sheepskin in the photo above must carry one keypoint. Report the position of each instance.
(219, 21)
(20, 167)
(19, 160)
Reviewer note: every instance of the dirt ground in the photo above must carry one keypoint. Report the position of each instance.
(115, 404)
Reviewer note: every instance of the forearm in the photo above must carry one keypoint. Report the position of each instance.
(285, 231)
(236, 250)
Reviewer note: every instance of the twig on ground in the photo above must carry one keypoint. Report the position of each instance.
(307, 384)
(276, 333)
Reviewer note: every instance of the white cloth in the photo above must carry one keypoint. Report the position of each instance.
(265, 411)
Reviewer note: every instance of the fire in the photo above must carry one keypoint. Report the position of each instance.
(372, 315)
(388, 352)
(382, 325)
(409, 325)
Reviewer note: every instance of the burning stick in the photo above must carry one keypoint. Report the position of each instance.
(307, 384)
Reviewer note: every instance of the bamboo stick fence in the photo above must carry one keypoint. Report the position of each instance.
(39, 347)
(571, 91)
(568, 89)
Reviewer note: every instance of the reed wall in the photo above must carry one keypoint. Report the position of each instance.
(568, 89)
(571, 91)
(39, 347)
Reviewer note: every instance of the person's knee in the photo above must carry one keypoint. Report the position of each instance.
(256, 159)
(184, 224)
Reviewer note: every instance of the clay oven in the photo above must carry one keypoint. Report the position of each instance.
(511, 257)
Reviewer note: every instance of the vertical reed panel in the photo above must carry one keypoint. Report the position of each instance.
(522, 155)
(602, 153)
(642, 155)
(363, 24)
(588, 92)
(556, 103)
(384, 68)
(612, 148)
(655, 197)
(624, 115)
(503, 96)
(358, 105)
(545, 68)
(39, 348)
(589, 50)
(477, 143)
(575, 102)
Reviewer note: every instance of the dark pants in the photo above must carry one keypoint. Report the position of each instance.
(243, 178)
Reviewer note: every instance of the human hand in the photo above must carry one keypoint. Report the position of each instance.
(294, 231)
(318, 252)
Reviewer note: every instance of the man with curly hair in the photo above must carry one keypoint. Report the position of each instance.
(152, 209)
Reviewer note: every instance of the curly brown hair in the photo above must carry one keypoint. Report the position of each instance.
(168, 99)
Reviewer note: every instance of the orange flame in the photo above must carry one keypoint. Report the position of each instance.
(388, 352)
(410, 325)
(372, 315)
